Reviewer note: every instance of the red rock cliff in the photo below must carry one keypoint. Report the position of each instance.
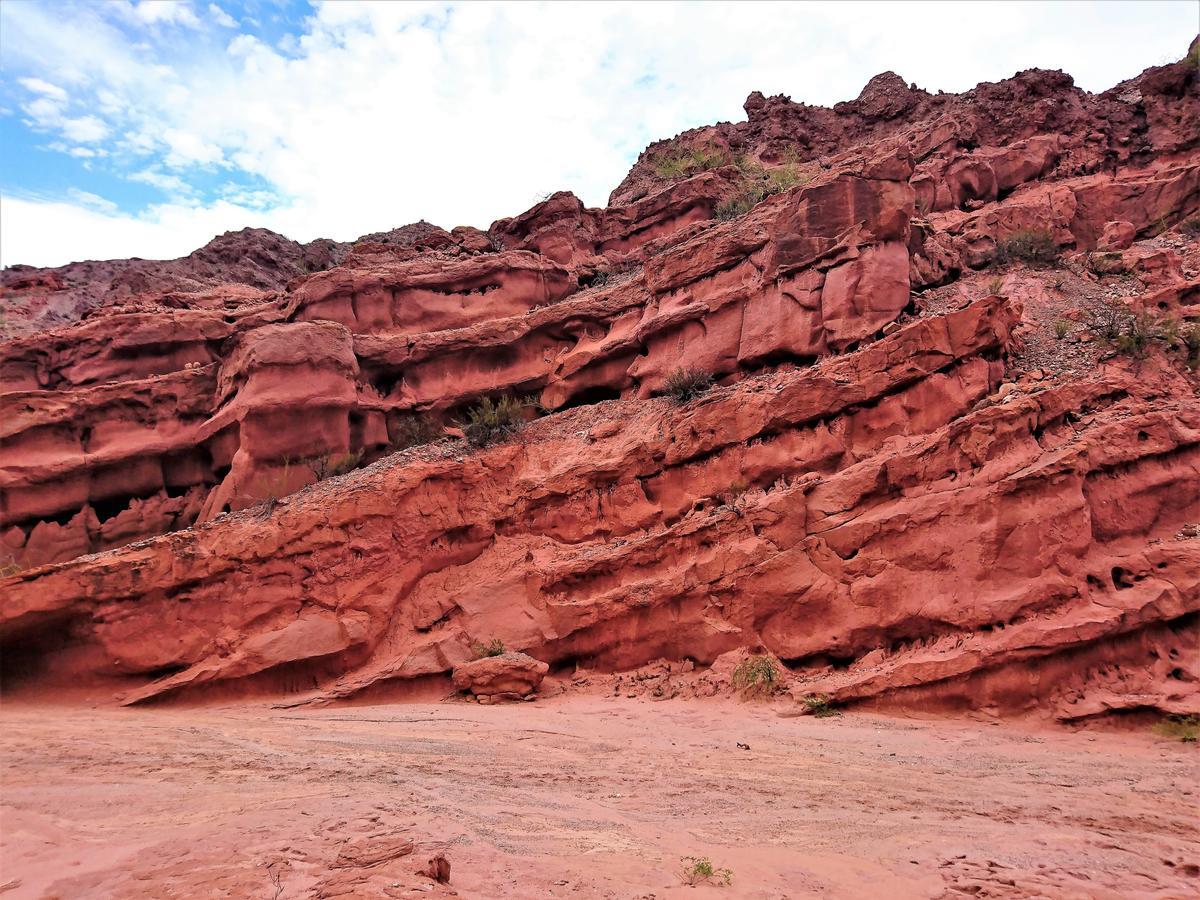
(926, 474)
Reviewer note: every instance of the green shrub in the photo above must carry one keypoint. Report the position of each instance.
(735, 207)
(1135, 338)
(1107, 319)
(757, 185)
(1190, 336)
(412, 431)
(683, 163)
(995, 286)
(700, 870)
(490, 421)
(494, 647)
(1179, 728)
(756, 676)
(687, 384)
(819, 705)
(1061, 328)
(1033, 246)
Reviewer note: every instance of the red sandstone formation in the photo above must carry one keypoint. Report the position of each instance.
(923, 477)
(509, 676)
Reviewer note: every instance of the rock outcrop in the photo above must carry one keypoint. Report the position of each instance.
(507, 676)
(924, 476)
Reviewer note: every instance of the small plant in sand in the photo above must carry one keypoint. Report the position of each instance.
(819, 705)
(1179, 728)
(995, 286)
(494, 647)
(1061, 328)
(700, 870)
(1033, 246)
(687, 384)
(493, 421)
(756, 676)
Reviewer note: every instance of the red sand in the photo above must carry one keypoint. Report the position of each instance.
(584, 797)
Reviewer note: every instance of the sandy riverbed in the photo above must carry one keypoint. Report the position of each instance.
(583, 797)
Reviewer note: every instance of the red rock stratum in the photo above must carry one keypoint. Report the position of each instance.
(951, 457)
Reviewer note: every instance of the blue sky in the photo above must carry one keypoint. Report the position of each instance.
(144, 127)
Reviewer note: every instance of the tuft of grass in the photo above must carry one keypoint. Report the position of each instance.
(700, 870)
(1190, 337)
(494, 647)
(412, 431)
(820, 706)
(1033, 246)
(1133, 334)
(328, 466)
(995, 286)
(268, 489)
(756, 676)
(1179, 728)
(493, 421)
(757, 185)
(687, 384)
(1061, 328)
(690, 161)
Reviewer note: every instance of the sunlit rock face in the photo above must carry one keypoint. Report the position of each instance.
(922, 476)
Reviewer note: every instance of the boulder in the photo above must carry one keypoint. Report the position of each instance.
(507, 676)
(1116, 236)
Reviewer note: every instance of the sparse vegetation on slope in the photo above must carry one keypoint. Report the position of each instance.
(1032, 246)
(684, 385)
(756, 676)
(494, 420)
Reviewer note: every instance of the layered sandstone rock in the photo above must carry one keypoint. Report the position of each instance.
(508, 676)
(957, 496)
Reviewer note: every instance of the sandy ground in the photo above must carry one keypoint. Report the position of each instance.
(583, 797)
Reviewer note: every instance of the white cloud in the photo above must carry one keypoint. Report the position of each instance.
(384, 113)
(84, 129)
(53, 91)
(160, 12)
(172, 184)
(92, 201)
(162, 232)
(222, 18)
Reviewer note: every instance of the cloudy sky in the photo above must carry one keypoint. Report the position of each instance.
(144, 128)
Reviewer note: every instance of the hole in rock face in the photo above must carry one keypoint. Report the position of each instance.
(595, 394)
(1143, 436)
(1122, 579)
(1094, 582)
(107, 509)
(1176, 673)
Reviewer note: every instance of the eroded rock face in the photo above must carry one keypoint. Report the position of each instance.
(928, 497)
(509, 676)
